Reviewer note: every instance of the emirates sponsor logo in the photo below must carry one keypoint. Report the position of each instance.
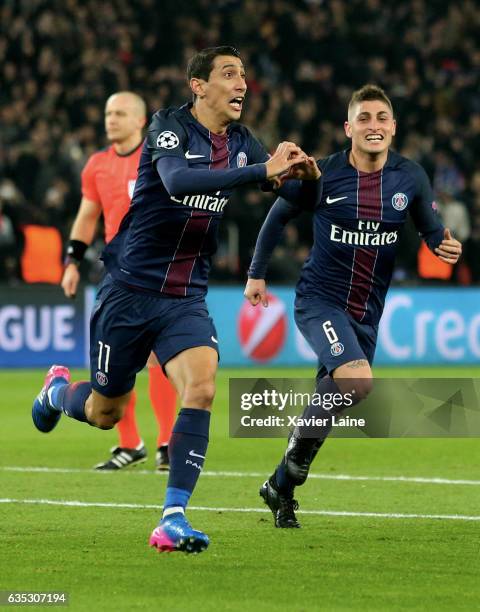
(366, 235)
(203, 202)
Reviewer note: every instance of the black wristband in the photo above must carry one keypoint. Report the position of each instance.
(75, 251)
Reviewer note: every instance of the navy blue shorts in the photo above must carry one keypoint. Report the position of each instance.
(334, 334)
(126, 325)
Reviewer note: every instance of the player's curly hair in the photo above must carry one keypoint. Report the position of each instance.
(367, 93)
(201, 64)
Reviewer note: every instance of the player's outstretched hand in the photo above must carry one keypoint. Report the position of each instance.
(256, 292)
(288, 154)
(449, 250)
(70, 280)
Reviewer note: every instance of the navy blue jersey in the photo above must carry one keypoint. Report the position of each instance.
(357, 221)
(168, 236)
(357, 218)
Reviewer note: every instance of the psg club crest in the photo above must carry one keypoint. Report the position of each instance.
(167, 140)
(337, 349)
(399, 201)
(241, 160)
(102, 378)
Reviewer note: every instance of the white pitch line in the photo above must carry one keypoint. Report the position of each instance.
(346, 477)
(345, 513)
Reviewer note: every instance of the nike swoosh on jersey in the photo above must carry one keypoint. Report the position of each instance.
(330, 200)
(193, 454)
(189, 155)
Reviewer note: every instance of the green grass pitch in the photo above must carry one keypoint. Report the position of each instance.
(99, 553)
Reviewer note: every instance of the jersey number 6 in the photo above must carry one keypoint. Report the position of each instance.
(330, 332)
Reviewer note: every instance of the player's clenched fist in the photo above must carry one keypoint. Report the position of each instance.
(449, 250)
(256, 292)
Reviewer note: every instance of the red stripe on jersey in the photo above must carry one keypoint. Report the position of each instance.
(369, 206)
(180, 270)
(218, 151)
(191, 241)
(363, 266)
(370, 195)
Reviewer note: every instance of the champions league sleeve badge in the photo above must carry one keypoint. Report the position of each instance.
(167, 140)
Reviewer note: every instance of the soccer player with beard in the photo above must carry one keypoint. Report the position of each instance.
(154, 295)
(108, 181)
(364, 195)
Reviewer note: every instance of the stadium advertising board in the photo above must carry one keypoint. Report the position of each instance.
(38, 327)
(419, 326)
(430, 326)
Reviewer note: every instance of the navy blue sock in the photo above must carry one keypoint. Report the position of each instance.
(311, 440)
(312, 437)
(284, 483)
(71, 399)
(186, 449)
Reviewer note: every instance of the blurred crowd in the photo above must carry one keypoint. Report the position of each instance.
(61, 59)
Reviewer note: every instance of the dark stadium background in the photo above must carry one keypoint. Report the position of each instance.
(60, 60)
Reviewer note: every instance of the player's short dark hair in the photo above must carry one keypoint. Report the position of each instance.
(368, 93)
(200, 66)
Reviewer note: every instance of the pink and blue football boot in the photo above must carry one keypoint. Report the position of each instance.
(45, 418)
(174, 533)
